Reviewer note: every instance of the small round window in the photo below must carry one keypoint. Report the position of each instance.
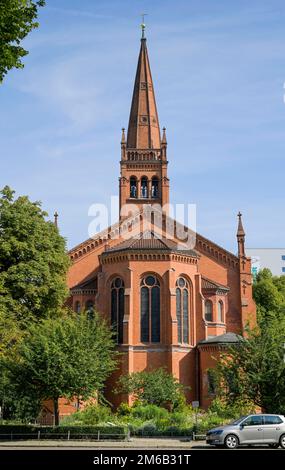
(150, 280)
(117, 282)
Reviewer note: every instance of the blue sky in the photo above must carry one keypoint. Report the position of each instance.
(218, 70)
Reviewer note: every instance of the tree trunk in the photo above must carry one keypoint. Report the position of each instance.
(55, 411)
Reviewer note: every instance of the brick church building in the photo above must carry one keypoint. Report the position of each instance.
(172, 305)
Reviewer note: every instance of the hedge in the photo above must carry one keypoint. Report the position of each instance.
(20, 431)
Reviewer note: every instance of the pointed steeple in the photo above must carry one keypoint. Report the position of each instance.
(143, 130)
(240, 231)
(164, 140)
(123, 139)
(240, 236)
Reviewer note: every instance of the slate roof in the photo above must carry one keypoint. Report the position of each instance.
(89, 284)
(151, 241)
(212, 285)
(226, 338)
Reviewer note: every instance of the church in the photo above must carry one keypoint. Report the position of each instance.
(171, 303)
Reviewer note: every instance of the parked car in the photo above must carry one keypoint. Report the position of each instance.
(251, 429)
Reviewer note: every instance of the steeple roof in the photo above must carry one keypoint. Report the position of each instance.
(143, 130)
(240, 230)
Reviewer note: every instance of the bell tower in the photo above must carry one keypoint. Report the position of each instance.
(143, 179)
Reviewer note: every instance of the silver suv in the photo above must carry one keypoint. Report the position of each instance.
(248, 430)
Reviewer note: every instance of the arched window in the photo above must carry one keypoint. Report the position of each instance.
(150, 310)
(89, 307)
(220, 312)
(212, 382)
(133, 187)
(154, 187)
(208, 310)
(77, 306)
(144, 189)
(117, 308)
(182, 310)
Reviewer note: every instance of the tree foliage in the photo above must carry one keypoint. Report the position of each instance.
(17, 19)
(70, 356)
(33, 260)
(156, 387)
(269, 293)
(254, 370)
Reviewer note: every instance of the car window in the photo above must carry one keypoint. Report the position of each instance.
(253, 421)
(237, 421)
(272, 420)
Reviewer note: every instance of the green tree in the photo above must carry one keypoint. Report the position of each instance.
(254, 370)
(156, 387)
(33, 260)
(17, 19)
(268, 292)
(70, 356)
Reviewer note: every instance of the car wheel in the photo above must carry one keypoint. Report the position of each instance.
(273, 446)
(231, 441)
(282, 441)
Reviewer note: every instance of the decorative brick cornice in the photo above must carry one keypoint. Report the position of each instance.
(213, 347)
(83, 291)
(219, 254)
(136, 255)
(156, 348)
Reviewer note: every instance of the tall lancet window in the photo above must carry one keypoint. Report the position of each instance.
(133, 187)
(117, 308)
(150, 310)
(89, 307)
(154, 187)
(144, 189)
(182, 310)
(220, 311)
(208, 310)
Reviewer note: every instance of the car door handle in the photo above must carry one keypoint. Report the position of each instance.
(260, 429)
(277, 429)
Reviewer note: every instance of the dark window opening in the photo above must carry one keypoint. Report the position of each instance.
(144, 189)
(182, 310)
(208, 310)
(154, 187)
(89, 307)
(133, 187)
(150, 310)
(118, 308)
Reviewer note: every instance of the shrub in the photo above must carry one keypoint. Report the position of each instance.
(148, 412)
(179, 419)
(162, 423)
(79, 431)
(92, 414)
(148, 429)
(156, 387)
(207, 422)
(124, 409)
(239, 408)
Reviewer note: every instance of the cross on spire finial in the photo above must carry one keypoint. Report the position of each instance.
(143, 24)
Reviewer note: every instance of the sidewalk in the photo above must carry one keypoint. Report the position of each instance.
(134, 443)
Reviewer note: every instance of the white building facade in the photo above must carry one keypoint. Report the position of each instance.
(271, 258)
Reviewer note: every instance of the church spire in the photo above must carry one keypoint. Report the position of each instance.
(143, 130)
(240, 236)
